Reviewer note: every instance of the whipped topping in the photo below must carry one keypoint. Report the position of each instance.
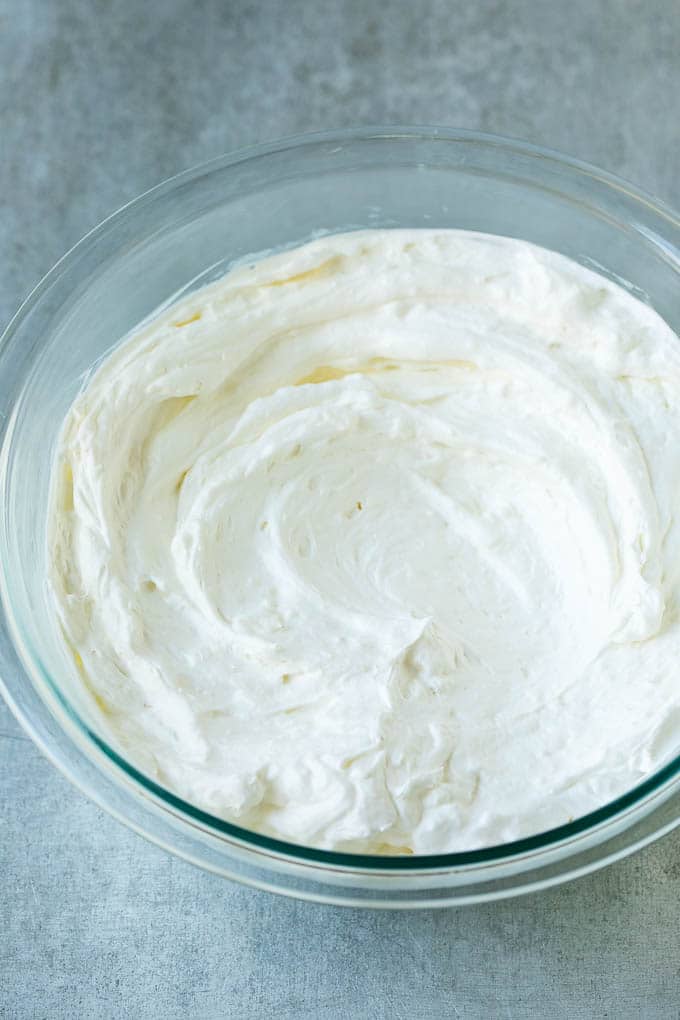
(373, 544)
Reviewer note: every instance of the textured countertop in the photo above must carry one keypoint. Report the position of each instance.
(99, 101)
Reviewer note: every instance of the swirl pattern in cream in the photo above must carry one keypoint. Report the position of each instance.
(373, 544)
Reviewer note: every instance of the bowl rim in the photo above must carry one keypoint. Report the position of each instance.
(128, 775)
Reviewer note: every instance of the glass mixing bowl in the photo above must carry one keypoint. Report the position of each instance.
(179, 236)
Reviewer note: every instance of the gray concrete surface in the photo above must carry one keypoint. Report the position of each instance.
(100, 100)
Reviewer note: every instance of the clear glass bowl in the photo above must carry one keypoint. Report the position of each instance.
(179, 236)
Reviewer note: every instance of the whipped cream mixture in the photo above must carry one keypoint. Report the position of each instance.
(373, 545)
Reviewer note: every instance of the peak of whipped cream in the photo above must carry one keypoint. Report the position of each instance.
(373, 545)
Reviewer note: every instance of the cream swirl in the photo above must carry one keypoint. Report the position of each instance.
(372, 544)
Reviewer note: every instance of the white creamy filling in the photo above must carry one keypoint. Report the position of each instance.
(373, 544)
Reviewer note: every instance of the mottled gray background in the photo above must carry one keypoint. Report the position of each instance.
(99, 101)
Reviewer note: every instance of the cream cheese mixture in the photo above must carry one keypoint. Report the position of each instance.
(373, 545)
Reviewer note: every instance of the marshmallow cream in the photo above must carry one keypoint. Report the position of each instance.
(373, 545)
